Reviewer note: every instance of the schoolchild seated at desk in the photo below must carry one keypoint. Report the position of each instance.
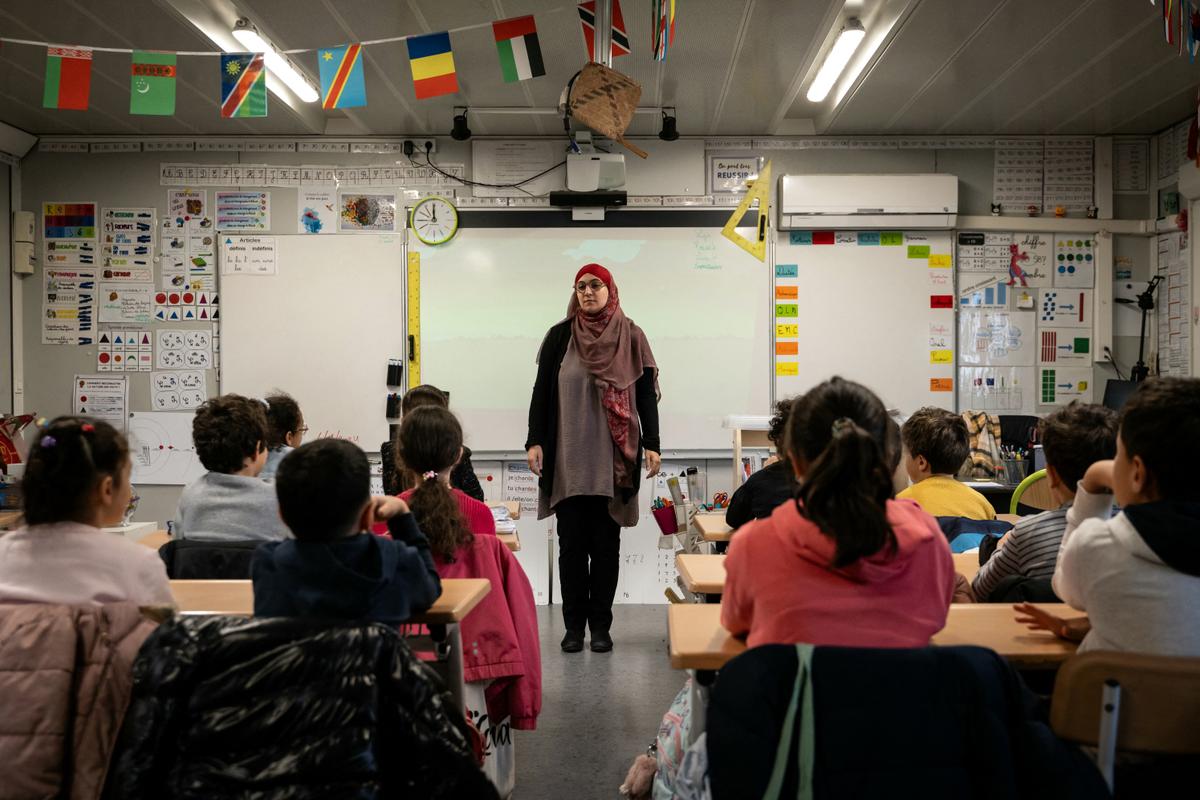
(332, 569)
(936, 444)
(772, 485)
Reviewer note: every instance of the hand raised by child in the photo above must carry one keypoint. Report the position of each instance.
(384, 507)
(1073, 630)
(1099, 477)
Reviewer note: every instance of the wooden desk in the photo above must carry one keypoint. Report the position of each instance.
(701, 574)
(155, 540)
(513, 507)
(1012, 519)
(459, 597)
(511, 540)
(994, 625)
(10, 520)
(712, 526)
(697, 640)
(966, 564)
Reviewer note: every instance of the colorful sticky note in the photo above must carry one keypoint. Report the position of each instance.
(941, 384)
(791, 368)
(787, 348)
(800, 237)
(823, 237)
(786, 271)
(941, 301)
(941, 356)
(785, 330)
(891, 238)
(868, 237)
(939, 260)
(787, 292)
(918, 251)
(786, 310)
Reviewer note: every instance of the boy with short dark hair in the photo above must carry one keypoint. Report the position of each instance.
(230, 502)
(936, 444)
(1138, 573)
(1073, 438)
(332, 569)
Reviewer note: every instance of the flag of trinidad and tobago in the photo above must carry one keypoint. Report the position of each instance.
(243, 85)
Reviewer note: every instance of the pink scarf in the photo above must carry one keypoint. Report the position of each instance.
(616, 353)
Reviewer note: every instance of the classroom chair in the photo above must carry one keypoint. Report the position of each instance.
(947, 722)
(1128, 702)
(1034, 492)
(196, 559)
(284, 707)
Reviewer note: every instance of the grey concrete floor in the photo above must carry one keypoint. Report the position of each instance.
(599, 710)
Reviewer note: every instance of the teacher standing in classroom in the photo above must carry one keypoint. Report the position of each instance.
(594, 412)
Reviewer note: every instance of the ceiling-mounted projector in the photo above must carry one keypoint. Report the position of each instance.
(591, 172)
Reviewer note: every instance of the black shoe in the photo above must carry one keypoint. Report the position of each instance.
(572, 642)
(601, 642)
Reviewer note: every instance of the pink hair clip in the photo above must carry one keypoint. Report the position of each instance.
(429, 475)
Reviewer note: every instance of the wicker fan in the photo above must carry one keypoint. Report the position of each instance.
(604, 100)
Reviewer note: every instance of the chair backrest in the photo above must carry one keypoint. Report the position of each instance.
(1034, 492)
(195, 559)
(1159, 701)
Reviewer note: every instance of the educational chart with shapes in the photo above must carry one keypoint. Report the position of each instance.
(996, 338)
(175, 390)
(1066, 346)
(243, 211)
(1060, 385)
(1074, 261)
(985, 290)
(1006, 389)
(183, 349)
(186, 305)
(127, 238)
(68, 305)
(161, 448)
(1065, 308)
(101, 397)
(248, 255)
(119, 350)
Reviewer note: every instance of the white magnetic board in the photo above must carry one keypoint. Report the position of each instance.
(874, 307)
(322, 329)
(489, 296)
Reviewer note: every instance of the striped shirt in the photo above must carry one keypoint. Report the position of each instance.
(1031, 551)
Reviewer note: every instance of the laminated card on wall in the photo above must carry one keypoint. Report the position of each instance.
(996, 338)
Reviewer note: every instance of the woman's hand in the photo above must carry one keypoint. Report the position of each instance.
(1073, 630)
(653, 462)
(534, 457)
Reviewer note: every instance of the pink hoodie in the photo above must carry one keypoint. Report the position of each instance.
(781, 589)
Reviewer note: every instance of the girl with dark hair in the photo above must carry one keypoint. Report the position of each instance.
(397, 478)
(503, 666)
(844, 563)
(285, 430)
(77, 482)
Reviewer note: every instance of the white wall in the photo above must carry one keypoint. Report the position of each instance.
(6, 289)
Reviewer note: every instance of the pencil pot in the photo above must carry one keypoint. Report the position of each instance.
(665, 517)
(1014, 471)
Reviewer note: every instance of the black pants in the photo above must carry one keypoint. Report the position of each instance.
(586, 531)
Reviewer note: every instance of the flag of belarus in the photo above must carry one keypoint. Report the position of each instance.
(68, 78)
(152, 84)
(520, 53)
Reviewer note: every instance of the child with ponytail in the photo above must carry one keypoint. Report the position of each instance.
(77, 482)
(845, 563)
(502, 666)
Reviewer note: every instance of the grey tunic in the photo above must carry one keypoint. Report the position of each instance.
(585, 447)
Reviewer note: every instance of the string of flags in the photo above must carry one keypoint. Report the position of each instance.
(1181, 26)
(243, 75)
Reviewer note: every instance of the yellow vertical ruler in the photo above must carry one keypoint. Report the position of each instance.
(414, 319)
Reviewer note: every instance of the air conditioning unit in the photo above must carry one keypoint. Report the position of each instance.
(868, 201)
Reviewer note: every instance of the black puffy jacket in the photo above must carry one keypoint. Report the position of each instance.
(279, 708)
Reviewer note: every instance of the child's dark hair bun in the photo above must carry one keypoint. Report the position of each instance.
(69, 456)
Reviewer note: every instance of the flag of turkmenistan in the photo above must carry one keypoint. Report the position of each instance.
(152, 83)
(517, 44)
(68, 78)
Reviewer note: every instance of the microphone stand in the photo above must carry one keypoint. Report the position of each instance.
(1145, 301)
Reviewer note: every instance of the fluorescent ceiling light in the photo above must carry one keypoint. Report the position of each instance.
(250, 38)
(836, 60)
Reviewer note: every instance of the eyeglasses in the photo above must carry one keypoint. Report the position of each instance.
(303, 430)
(595, 286)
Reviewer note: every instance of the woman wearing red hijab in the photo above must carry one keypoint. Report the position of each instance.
(594, 412)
